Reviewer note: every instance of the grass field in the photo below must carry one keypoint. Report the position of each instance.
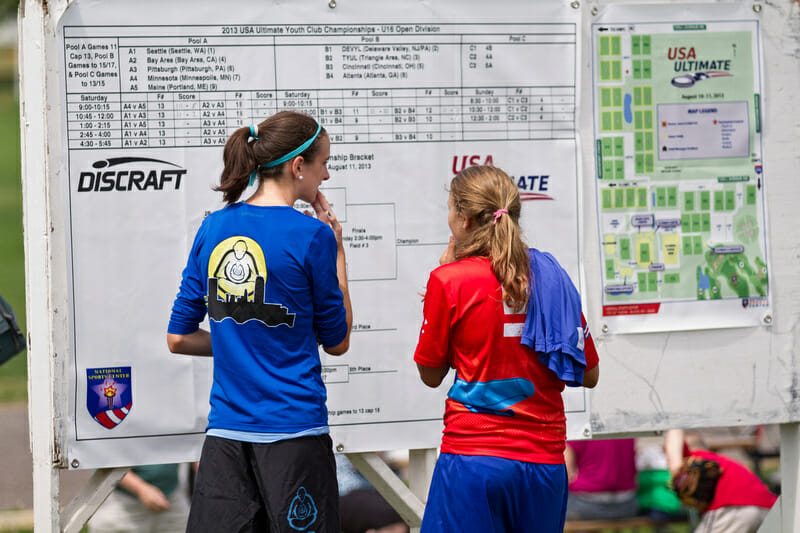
(13, 381)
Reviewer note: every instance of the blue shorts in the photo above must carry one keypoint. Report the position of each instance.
(474, 493)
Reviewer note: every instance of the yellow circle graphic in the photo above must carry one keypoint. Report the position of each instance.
(236, 262)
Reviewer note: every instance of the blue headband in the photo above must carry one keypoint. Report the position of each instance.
(297, 151)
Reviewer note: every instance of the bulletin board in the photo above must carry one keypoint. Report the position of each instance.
(122, 144)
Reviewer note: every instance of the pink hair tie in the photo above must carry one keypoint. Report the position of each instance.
(498, 214)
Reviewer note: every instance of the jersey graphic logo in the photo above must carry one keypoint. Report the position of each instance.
(492, 397)
(109, 395)
(302, 511)
(237, 274)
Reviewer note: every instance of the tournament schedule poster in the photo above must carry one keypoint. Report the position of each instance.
(409, 97)
(679, 169)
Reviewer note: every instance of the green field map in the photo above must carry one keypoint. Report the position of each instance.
(678, 163)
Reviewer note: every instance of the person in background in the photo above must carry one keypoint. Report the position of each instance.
(656, 498)
(602, 479)
(149, 499)
(729, 497)
(493, 314)
(273, 282)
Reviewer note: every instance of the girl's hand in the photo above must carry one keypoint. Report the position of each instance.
(449, 255)
(324, 213)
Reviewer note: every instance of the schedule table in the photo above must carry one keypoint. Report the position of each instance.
(159, 86)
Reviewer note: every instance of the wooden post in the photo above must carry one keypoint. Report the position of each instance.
(420, 473)
(38, 275)
(790, 476)
(91, 496)
(391, 487)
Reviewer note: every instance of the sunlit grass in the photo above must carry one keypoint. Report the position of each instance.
(13, 374)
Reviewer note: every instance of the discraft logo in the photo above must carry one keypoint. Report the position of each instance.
(109, 395)
(126, 174)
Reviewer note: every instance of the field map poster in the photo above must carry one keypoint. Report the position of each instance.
(679, 171)
(409, 96)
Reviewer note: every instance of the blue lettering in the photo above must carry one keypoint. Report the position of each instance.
(528, 183)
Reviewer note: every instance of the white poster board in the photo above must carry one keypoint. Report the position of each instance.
(680, 175)
(409, 96)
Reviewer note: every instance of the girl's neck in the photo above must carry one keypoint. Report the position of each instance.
(273, 192)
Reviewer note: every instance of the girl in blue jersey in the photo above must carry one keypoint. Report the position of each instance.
(273, 283)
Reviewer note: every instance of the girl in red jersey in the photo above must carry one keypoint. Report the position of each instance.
(501, 467)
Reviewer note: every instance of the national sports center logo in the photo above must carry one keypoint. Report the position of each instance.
(109, 394)
(755, 301)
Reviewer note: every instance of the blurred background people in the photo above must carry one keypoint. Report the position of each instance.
(602, 479)
(149, 499)
(728, 495)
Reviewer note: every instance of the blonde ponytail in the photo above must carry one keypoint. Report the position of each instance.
(488, 197)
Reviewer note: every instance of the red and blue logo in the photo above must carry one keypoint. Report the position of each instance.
(109, 395)
(531, 187)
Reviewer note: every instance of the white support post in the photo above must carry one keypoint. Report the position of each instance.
(420, 472)
(38, 275)
(90, 497)
(391, 487)
(790, 476)
(772, 523)
(783, 515)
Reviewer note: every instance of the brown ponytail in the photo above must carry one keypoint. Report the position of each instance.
(488, 197)
(277, 136)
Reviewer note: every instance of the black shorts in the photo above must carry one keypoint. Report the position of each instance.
(287, 486)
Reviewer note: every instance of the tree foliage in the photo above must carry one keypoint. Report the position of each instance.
(8, 8)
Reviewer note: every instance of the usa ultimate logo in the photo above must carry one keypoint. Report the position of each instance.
(531, 187)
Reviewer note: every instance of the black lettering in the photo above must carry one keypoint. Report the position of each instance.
(108, 181)
(129, 180)
(165, 176)
(179, 174)
(136, 177)
(120, 174)
(81, 182)
(152, 180)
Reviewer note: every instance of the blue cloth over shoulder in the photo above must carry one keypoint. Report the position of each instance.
(553, 325)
